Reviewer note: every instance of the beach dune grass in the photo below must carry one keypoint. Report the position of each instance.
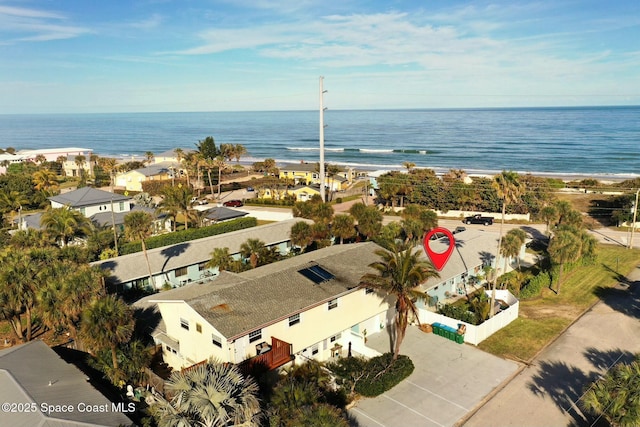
(542, 319)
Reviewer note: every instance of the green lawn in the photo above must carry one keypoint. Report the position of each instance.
(544, 318)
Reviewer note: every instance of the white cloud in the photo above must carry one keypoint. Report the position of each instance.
(34, 25)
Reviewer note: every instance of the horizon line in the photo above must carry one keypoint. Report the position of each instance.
(566, 107)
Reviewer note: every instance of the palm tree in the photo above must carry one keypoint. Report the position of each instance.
(80, 160)
(343, 226)
(138, 225)
(109, 165)
(45, 180)
(219, 163)
(17, 291)
(399, 273)
(508, 189)
(563, 248)
(253, 249)
(63, 224)
(220, 258)
(13, 201)
(107, 323)
(614, 396)
(369, 221)
(301, 235)
(176, 200)
(239, 150)
(68, 290)
(148, 155)
(549, 214)
(511, 245)
(212, 395)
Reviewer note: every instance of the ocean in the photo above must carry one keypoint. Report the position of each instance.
(583, 141)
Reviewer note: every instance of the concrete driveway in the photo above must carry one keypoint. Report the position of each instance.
(449, 380)
(547, 393)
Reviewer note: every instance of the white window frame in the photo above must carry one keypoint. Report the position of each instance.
(255, 335)
(294, 320)
(184, 323)
(332, 304)
(216, 340)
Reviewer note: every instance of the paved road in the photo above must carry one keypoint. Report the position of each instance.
(546, 392)
(448, 381)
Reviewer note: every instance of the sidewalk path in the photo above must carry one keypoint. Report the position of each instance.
(545, 393)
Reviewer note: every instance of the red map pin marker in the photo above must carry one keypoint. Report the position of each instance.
(439, 259)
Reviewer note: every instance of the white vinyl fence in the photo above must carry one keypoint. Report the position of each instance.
(476, 334)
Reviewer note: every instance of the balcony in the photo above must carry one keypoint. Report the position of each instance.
(270, 356)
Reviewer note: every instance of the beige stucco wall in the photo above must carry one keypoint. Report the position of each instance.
(317, 324)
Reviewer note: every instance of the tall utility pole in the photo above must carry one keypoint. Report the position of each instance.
(322, 172)
(633, 224)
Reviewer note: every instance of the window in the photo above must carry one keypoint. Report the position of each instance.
(216, 340)
(255, 335)
(295, 319)
(199, 327)
(184, 323)
(314, 350)
(368, 291)
(333, 304)
(182, 271)
(202, 266)
(335, 337)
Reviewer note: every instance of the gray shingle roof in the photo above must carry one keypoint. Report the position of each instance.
(221, 213)
(25, 373)
(87, 196)
(236, 304)
(473, 248)
(133, 266)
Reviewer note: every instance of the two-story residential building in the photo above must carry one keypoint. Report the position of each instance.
(184, 263)
(132, 180)
(305, 307)
(306, 174)
(90, 201)
(70, 167)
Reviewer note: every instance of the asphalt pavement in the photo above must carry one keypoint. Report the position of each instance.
(548, 392)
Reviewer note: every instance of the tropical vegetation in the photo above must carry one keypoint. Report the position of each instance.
(398, 274)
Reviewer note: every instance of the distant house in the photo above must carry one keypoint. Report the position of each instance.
(304, 192)
(90, 201)
(70, 167)
(170, 155)
(220, 214)
(185, 263)
(306, 174)
(132, 180)
(35, 378)
(101, 207)
(305, 307)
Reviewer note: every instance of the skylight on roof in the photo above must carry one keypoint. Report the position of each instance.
(316, 274)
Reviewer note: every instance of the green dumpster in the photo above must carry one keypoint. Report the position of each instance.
(460, 339)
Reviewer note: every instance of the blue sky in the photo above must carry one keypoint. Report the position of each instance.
(211, 55)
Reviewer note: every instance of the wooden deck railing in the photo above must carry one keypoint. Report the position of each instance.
(278, 355)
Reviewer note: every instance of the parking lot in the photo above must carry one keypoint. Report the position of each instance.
(449, 380)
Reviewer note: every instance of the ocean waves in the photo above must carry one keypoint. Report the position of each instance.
(360, 150)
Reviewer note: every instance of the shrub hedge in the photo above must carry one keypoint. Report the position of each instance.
(534, 287)
(371, 377)
(191, 234)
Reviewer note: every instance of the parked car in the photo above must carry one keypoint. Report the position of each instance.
(233, 203)
(250, 189)
(478, 219)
